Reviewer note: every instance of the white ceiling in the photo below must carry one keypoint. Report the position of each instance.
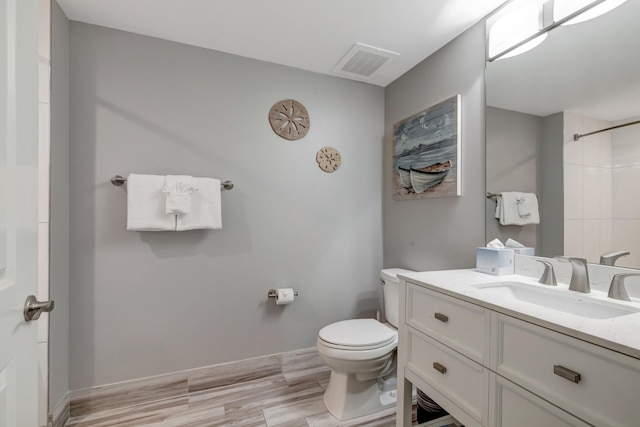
(307, 34)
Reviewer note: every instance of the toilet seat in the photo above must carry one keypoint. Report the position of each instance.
(357, 334)
(357, 339)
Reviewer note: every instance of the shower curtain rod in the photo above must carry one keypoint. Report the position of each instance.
(577, 136)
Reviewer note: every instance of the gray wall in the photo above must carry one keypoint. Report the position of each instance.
(514, 162)
(552, 203)
(441, 233)
(59, 209)
(148, 303)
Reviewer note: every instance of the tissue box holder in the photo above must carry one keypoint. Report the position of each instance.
(524, 251)
(494, 261)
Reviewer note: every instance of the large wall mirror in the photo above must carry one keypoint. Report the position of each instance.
(582, 78)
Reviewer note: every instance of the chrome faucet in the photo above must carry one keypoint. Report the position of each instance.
(609, 258)
(617, 289)
(548, 276)
(579, 274)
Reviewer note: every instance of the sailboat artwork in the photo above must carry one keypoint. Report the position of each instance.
(426, 160)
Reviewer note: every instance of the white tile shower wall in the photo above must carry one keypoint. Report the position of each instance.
(588, 195)
(626, 206)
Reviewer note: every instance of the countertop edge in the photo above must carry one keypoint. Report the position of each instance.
(580, 334)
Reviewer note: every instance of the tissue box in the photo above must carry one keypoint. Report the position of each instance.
(524, 251)
(494, 261)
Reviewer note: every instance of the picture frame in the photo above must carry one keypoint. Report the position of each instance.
(426, 152)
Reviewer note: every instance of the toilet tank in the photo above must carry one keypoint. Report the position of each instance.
(391, 293)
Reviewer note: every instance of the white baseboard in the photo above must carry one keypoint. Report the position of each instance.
(60, 414)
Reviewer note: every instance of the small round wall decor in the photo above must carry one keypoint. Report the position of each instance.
(328, 159)
(289, 119)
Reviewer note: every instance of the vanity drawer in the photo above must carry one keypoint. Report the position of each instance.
(514, 406)
(595, 384)
(458, 324)
(461, 380)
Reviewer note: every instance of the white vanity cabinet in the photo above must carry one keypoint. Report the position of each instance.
(447, 351)
(595, 384)
(487, 368)
(513, 406)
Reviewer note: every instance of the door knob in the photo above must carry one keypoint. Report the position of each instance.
(34, 308)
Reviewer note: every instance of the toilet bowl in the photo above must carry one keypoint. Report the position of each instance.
(361, 354)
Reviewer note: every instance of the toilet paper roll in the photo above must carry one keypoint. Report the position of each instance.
(284, 296)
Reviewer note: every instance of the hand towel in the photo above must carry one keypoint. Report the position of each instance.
(508, 211)
(146, 204)
(206, 207)
(178, 189)
(527, 204)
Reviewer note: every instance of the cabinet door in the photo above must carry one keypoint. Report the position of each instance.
(513, 406)
(593, 383)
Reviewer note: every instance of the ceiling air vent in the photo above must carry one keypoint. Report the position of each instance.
(362, 61)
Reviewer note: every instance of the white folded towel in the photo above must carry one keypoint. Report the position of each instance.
(528, 208)
(206, 206)
(527, 204)
(178, 189)
(146, 204)
(510, 212)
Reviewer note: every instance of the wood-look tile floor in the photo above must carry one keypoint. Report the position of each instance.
(289, 397)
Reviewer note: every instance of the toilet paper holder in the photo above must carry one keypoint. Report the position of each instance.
(274, 293)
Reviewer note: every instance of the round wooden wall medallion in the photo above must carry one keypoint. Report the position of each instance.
(328, 159)
(289, 119)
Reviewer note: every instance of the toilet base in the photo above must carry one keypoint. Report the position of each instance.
(347, 397)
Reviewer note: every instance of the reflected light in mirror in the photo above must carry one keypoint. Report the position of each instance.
(525, 47)
(513, 28)
(564, 8)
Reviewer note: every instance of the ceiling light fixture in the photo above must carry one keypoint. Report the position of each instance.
(564, 8)
(516, 32)
(522, 25)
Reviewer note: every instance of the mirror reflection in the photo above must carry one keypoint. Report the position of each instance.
(582, 78)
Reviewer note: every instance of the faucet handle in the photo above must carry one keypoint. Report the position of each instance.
(617, 290)
(548, 276)
(609, 258)
(571, 259)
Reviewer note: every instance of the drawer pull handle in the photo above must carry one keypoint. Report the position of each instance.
(441, 317)
(440, 368)
(566, 373)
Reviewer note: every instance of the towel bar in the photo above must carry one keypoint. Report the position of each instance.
(119, 181)
(494, 195)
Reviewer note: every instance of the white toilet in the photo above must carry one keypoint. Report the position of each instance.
(359, 352)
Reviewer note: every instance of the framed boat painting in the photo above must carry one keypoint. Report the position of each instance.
(426, 153)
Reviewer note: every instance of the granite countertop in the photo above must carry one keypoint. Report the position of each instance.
(621, 334)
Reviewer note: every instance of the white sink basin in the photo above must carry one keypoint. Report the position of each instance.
(558, 300)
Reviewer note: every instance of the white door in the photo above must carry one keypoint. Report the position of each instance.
(18, 210)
